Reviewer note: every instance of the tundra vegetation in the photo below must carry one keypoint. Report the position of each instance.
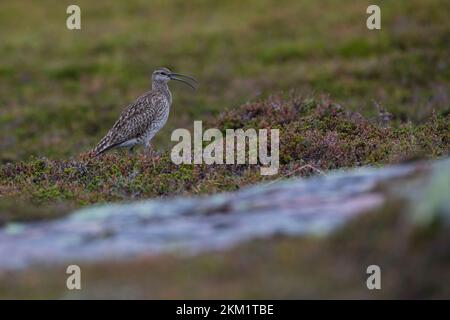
(315, 72)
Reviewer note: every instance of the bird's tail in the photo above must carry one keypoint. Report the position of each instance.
(101, 147)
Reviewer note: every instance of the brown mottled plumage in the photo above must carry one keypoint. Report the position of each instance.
(142, 119)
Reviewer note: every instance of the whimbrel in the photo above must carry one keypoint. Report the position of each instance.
(143, 118)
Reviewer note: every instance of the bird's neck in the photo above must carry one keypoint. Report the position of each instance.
(163, 88)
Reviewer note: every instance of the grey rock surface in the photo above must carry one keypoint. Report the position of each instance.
(316, 205)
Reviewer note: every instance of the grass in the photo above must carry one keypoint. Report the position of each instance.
(313, 71)
(314, 131)
(61, 90)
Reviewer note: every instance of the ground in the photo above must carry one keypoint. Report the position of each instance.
(414, 263)
(62, 90)
(313, 71)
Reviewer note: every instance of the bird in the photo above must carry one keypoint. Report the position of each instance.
(142, 119)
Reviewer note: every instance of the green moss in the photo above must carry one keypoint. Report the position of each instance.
(363, 47)
(61, 91)
(57, 101)
(284, 52)
(313, 131)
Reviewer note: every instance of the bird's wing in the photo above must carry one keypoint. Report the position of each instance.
(133, 122)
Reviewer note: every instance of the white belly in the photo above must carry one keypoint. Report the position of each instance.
(129, 143)
(155, 127)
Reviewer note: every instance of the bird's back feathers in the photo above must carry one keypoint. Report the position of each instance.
(134, 123)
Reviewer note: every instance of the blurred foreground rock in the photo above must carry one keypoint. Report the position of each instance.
(313, 206)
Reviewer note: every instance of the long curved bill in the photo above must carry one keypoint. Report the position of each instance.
(190, 81)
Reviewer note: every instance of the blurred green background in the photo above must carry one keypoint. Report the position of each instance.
(61, 90)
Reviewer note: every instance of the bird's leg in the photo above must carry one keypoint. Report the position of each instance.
(149, 152)
(130, 151)
(148, 149)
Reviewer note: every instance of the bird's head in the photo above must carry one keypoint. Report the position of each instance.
(165, 75)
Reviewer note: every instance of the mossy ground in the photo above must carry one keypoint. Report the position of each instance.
(60, 91)
(312, 131)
